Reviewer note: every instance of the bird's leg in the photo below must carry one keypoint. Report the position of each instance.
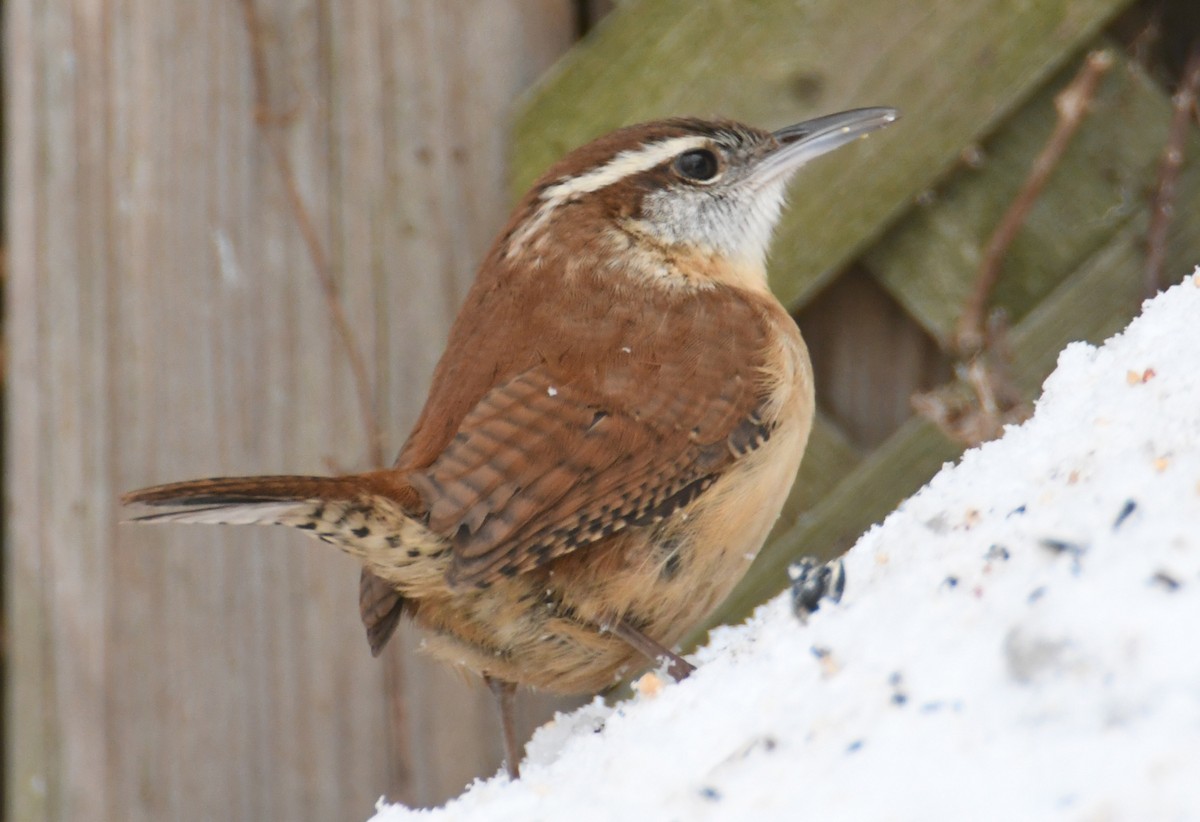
(505, 699)
(677, 666)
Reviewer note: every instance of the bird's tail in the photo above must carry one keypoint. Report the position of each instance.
(370, 515)
(277, 500)
(374, 516)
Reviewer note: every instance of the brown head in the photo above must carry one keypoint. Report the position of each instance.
(712, 188)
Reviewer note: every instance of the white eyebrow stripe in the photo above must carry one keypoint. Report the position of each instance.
(621, 166)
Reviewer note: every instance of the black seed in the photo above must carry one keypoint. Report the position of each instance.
(996, 552)
(1062, 546)
(1128, 508)
(1166, 581)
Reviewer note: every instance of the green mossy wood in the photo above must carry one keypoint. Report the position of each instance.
(966, 73)
(1091, 292)
(955, 68)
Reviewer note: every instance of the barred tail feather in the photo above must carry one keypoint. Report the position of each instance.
(245, 513)
(278, 500)
(367, 515)
(236, 490)
(372, 516)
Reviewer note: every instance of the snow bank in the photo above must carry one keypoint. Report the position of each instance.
(1019, 640)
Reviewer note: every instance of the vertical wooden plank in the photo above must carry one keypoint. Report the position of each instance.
(165, 323)
(28, 720)
(430, 115)
(868, 357)
(57, 507)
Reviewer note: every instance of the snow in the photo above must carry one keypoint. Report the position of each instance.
(1019, 640)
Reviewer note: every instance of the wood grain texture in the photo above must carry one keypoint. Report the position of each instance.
(165, 323)
(776, 62)
(869, 356)
(930, 259)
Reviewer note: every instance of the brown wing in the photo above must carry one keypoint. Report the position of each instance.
(586, 443)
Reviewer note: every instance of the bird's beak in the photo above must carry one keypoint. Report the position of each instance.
(802, 142)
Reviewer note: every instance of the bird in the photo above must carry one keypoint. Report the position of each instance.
(612, 430)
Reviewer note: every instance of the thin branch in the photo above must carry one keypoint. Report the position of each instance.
(1072, 104)
(304, 222)
(1163, 211)
(1148, 40)
(983, 397)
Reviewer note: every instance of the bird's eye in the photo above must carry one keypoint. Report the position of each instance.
(699, 164)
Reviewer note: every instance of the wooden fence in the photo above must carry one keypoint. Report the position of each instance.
(165, 321)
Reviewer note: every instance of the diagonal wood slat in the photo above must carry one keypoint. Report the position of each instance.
(809, 57)
(777, 62)
(1093, 301)
(929, 259)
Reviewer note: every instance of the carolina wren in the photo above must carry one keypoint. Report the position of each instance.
(618, 416)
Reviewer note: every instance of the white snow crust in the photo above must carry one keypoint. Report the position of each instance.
(1019, 640)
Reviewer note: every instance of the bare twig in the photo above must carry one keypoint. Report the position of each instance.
(1169, 166)
(304, 222)
(1148, 40)
(982, 398)
(1072, 104)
